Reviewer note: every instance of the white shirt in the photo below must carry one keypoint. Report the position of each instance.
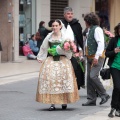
(69, 34)
(99, 37)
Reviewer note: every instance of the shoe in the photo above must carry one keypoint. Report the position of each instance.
(117, 113)
(64, 106)
(97, 95)
(104, 99)
(111, 113)
(83, 86)
(78, 87)
(90, 103)
(52, 108)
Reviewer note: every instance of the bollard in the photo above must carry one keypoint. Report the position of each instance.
(0, 51)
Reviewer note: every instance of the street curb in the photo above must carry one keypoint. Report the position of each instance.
(19, 77)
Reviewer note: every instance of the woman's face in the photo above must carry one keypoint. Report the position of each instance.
(56, 27)
(34, 37)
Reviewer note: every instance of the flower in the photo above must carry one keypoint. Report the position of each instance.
(77, 54)
(69, 45)
(66, 46)
(73, 46)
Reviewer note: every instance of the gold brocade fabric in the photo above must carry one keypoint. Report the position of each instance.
(92, 56)
(57, 82)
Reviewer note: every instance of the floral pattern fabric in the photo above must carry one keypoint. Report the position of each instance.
(57, 82)
(55, 77)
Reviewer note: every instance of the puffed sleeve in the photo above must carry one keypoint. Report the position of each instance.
(42, 55)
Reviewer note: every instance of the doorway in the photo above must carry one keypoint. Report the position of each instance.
(102, 9)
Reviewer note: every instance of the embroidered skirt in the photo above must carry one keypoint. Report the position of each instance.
(57, 82)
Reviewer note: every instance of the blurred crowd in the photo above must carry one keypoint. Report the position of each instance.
(31, 47)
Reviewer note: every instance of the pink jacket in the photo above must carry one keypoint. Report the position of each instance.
(27, 50)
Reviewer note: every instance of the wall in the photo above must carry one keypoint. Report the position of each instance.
(6, 30)
(42, 12)
(33, 16)
(114, 13)
(16, 29)
(81, 7)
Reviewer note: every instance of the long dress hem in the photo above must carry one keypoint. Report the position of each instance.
(48, 91)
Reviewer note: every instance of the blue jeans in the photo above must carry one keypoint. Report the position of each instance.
(31, 56)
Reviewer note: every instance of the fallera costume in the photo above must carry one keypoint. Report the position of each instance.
(57, 81)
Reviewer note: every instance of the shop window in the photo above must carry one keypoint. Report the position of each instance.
(25, 22)
(57, 7)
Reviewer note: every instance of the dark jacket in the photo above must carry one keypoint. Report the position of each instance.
(42, 31)
(77, 30)
(110, 50)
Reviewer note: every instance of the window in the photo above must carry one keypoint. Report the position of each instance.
(57, 7)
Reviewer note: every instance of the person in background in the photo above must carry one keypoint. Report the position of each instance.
(57, 81)
(113, 53)
(42, 30)
(28, 52)
(104, 22)
(33, 45)
(78, 39)
(104, 16)
(38, 39)
(95, 58)
(49, 28)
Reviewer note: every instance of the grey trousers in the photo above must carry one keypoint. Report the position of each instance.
(93, 81)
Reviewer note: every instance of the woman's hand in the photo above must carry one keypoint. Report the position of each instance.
(80, 53)
(40, 61)
(116, 50)
(95, 61)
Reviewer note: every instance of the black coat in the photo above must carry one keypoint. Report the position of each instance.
(77, 30)
(110, 50)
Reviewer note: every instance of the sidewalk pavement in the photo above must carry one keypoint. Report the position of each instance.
(15, 71)
(102, 115)
(18, 71)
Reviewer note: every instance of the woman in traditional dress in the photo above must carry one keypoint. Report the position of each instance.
(57, 81)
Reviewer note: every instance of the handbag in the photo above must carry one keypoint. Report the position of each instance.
(105, 72)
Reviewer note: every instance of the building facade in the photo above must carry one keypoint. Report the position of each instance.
(20, 18)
